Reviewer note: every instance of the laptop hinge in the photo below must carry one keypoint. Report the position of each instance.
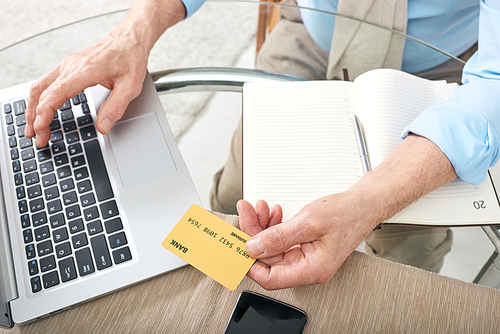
(8, 288)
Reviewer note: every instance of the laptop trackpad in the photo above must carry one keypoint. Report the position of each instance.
(140, 150)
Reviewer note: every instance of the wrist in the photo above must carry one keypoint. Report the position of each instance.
(147, 20)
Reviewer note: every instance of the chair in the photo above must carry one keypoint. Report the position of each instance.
(268, 16)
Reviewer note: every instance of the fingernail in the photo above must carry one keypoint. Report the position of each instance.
(106, 125)
(255, 247)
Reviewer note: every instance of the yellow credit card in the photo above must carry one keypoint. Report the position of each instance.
(211, 245)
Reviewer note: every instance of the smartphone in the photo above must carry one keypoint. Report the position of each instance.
(256, 313)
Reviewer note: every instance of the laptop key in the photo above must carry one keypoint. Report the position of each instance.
(18, 179)
(39, 218)
(76, 226)
(85, 108)
(67, 115)
(9, 119)
(75, 149)
(51, 193)
(37, 205)
(81, 173)
(51, 279)
(55, 125)
(19, 107)
(12, 142)
(61, 159)
(44, 248)
(88, 132)
(33, 267)
(84, 120)
(27, 154)
(34, 191)
(67, 184)
(91, 213)
(60, 235)
(63, 172)
(67, 269)
(63, 250)
(69, 126)
(84, 261)
(44, 155)
(48, 180)
(25, 142)
(20, 192)
(109, 209)
(101, 252)
(14, 154)
(36, 285)
(20, 131)
(7, 108)
(16, 166)
(56, 136)
(25, 221)
(30, 251)
(27, 236)
(83, 186)
(47, 263)
(94, 227)
(31, 178)
(98, 170)
(87, 199)
(122, 255)
(73, 212)
(29, 166)
(72, 137)
(42, 233)
(70, 198)
(58, 147)
(57, 220)
(117, 240)
(113, 225)
(54, 206)
(65, 106)
(21, 120)
(23, 206)
(11, 130)
(83, 97)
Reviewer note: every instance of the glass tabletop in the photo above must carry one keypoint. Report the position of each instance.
(214, 50)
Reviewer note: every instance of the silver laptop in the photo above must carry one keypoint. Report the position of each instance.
(85, 215)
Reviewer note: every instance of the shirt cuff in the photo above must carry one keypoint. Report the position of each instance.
(465, 136)
(192, 6)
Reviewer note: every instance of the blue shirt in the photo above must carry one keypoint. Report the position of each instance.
(467, 127)
(451, 26)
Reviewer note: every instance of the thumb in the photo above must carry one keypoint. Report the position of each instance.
(114, 107)
(280, 238)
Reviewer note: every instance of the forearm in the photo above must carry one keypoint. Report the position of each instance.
(413, 170)
(147, 20)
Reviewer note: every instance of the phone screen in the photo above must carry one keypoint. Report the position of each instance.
(255, 313)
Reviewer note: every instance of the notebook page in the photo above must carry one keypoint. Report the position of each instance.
(298, 142)
(389, 101)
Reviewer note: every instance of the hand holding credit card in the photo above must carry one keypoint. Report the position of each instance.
(211, 245)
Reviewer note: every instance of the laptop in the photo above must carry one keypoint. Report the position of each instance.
(85, 215)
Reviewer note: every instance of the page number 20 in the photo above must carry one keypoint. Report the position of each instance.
(479, 205)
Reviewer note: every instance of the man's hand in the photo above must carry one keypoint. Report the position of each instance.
(118, 63)
(310, 247)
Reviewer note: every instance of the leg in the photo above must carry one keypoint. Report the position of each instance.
(288, 50)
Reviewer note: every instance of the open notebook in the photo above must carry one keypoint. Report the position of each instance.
(299, 143)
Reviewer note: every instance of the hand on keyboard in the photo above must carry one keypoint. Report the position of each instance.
(116, 63)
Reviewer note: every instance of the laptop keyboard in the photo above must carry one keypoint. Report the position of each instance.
(70, 219)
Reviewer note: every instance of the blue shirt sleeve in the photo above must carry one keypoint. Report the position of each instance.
(192, 6)
(467, 127)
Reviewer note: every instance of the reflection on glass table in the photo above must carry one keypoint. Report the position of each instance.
(202, 41)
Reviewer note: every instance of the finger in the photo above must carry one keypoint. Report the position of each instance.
(116, 104)
(279, 238)
(276, 215)
(263, 213)
(42, 137)
(272, 260)
(249, 221)
(35, 91)
(294, 270)
(60, 91)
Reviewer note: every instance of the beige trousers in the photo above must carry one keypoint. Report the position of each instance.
(290, 50)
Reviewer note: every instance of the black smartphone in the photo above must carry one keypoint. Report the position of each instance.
(255, 313)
